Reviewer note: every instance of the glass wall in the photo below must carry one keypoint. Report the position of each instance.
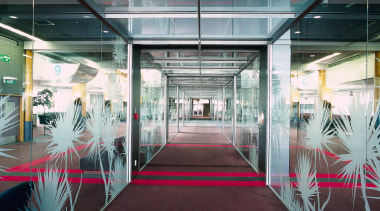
(324, 110)
(228, 130)
(187, 109)
(152, 125)
(63, 110)
(181, 109)
(219, 109)
(279, 121)
(247, 112)
(172, 110)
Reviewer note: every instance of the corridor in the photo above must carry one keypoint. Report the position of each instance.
(199, 169)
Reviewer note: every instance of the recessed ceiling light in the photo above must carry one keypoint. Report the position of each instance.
(76, 22)
(86, 16)
(326, 58)
(297, 32)
(105, 31)
(9, 28)
(312, 55)
(349, 5)
(14, 17)
(317, 16)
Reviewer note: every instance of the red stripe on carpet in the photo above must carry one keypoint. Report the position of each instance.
(200, 145)
(25, 167)
(200, 174)
(35, 179)
(197, 182)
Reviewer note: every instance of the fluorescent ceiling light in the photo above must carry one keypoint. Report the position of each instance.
(19, 32)
(325, 58)
(297, 32)
(317, 16)
(13, 17)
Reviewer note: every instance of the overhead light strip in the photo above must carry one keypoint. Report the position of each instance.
(9, 28)
(326, 58)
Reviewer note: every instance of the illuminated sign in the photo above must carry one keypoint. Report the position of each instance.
(9, 80)
(5, 58)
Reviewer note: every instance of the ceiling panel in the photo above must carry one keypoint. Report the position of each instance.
(199, 73)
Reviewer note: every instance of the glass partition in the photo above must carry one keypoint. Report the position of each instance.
(279, 121)
(152, 125)
(247, 112)
(219, 109)
(15, 147)
(172, 110)
(63, 108)
(328, 101)
(228, 110)
(187, 109)
(181, 109)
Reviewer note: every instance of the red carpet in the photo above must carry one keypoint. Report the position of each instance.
(198, 170)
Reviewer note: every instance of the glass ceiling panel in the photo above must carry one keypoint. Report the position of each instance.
(53, 20)
(183, 28)
(235, 28)
(220, 19)
(206, 5)
(255, 6)
(334, 20)
(148, 5)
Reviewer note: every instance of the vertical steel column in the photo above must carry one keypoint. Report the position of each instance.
(223, 107)
(128, 140)
(268, 116)
(177, 122)
(234, 113)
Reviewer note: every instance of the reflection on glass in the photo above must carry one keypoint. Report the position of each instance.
(280, 113)
(228, 110)
(247, 106)
(81, 122)
(152, 127)
(219, 110)
(172, 110)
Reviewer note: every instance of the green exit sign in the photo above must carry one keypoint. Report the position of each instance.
(5, 58)
(9, 80)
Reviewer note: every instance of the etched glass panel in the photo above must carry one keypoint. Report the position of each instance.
(172, 121)
(228, 110)
(247, 115)
(152, 127)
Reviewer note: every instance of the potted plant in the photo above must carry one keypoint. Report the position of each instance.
(44, 98)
